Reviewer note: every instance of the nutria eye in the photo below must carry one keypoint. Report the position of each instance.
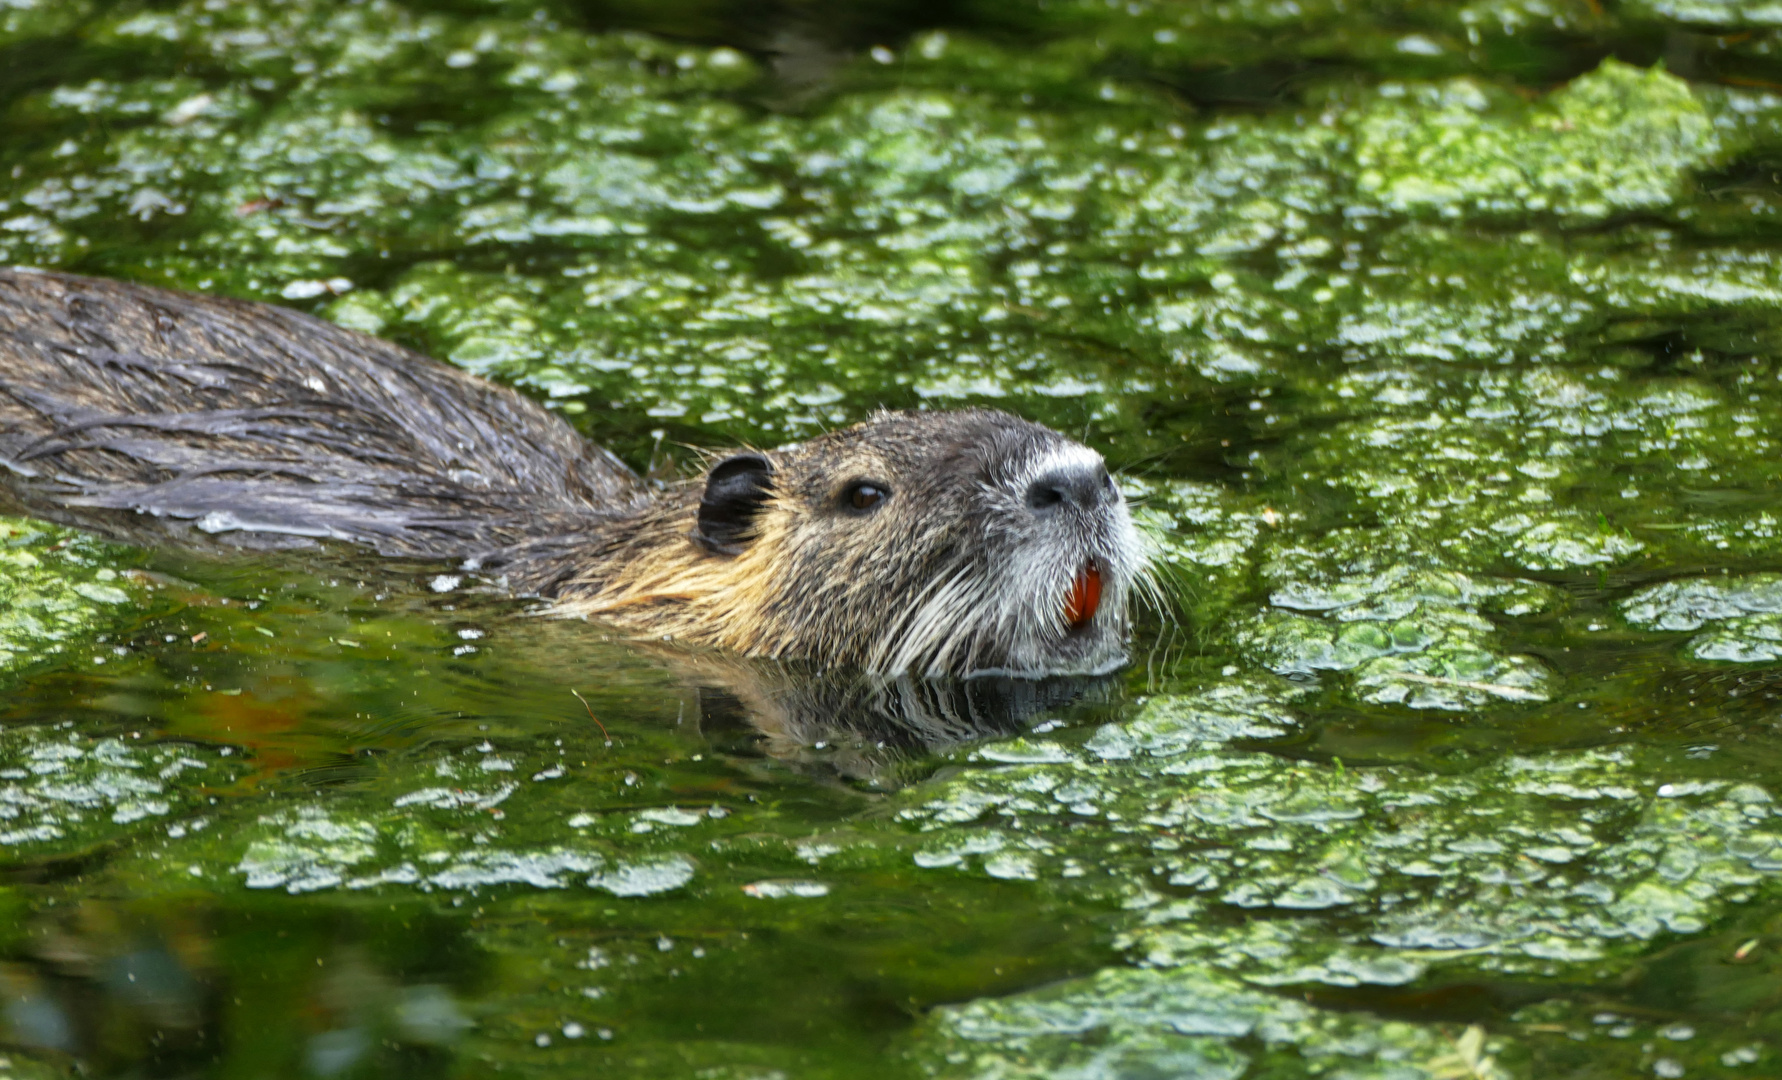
(865, 496)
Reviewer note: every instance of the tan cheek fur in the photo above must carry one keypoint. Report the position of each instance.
(668, 586)
(684, 592)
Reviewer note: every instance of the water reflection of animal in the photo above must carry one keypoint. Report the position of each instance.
(915, 542)
(864, 728)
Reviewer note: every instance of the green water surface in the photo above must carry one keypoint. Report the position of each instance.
(1439, 344)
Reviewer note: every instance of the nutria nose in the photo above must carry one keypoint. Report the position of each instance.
(1082, 485)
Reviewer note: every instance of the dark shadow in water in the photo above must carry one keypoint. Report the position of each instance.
(1730, 976)
(1472, 1001)
(1644, 697)
(857, 728)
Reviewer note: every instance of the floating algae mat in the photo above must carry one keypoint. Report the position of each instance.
(1437, 344)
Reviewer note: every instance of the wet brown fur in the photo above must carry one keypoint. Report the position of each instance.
(138, 412)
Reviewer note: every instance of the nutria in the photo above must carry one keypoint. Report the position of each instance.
(927, 543)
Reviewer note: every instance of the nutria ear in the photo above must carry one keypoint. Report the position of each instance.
(735, 491)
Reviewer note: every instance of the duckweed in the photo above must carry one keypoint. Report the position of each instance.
(58, 590)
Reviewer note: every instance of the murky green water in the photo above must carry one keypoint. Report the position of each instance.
(1439, 342)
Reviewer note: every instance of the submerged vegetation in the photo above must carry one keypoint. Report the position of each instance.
(1437, 344)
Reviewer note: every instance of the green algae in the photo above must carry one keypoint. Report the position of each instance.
(59, 590)
(1729, 14)
(66, 792)
(1412, 638)
(1437, 342)
(1616, 140)
(915, 234)
(1547, 867)
(1183, 1022)
(1738, 615)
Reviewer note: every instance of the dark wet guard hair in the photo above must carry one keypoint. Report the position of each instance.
(136, 411)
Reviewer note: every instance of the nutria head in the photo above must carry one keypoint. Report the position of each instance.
(915, 542)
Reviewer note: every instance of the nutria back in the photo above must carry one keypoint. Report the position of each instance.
(134, 411)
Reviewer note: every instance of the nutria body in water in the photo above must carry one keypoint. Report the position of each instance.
(915, 542)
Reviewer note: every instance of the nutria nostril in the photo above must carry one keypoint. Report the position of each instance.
(1081, 485)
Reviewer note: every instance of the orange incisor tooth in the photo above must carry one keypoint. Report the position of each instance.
(1084, 596)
